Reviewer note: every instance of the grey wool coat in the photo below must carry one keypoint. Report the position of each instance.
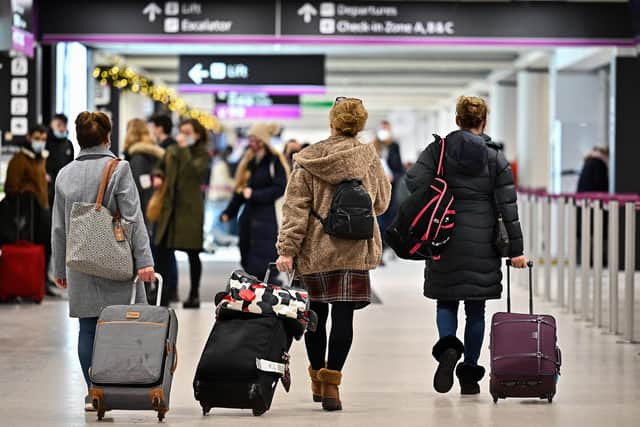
(79, 182)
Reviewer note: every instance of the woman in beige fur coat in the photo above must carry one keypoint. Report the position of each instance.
(334, 271)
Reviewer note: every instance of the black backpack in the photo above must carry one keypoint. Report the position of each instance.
(351, 215)
(426, 219)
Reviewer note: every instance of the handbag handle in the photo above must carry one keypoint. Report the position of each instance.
(106, 176)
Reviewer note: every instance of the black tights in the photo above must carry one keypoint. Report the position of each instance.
(195, 268)
(340, 339)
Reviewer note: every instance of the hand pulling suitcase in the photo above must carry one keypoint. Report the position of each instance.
(134, 357)
(22, 264)
(246, 354)
(525, 359)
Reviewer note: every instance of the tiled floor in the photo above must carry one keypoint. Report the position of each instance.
(387, 380)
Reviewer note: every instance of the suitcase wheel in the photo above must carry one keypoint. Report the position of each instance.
(258, 412)
(495, 398)
(206, 410)
(550, 398)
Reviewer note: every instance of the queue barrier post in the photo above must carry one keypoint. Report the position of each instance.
(533, 229)
(546, 245)
(629, 271)
(572, 222)
(613, 265)
(598, 243)
(585, 257)
(560, 220)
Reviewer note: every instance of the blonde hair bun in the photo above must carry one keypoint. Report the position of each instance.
(349, 117)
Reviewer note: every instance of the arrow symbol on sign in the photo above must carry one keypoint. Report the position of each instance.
(307, 10)
(152, 9)
(196, 73)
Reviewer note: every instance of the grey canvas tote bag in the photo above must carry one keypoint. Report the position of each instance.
(99, 242)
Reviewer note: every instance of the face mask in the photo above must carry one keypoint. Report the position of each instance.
(38, 146)
(60, 135)
(190, 141)
(384, 135)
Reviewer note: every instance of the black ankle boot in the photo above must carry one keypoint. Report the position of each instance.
(469, 376)
(447, 352)
(192, 302)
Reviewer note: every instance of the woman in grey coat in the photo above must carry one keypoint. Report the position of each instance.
(79, 182)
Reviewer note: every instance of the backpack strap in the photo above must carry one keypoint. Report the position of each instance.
(440, 169)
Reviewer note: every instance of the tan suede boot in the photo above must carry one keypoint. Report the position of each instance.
(330, 392)
(316, 385)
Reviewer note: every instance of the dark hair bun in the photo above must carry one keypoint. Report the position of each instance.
(471, 111)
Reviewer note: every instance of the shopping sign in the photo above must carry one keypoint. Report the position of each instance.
(271, 74)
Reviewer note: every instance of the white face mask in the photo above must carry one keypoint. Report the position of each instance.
(38, 146)
(384, 135)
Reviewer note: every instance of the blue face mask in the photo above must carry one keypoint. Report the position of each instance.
(38, 146)
(60, 135)
(190, 141)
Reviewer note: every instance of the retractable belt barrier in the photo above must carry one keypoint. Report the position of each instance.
(552, 234)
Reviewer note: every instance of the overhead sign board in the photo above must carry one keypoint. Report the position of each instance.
(335, 22)
(273, 74)
(418, 20)
(16, 28)
(235, 105)
(155, 21)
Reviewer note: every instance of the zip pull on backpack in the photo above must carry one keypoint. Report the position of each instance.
(351, 215)
(426, 219)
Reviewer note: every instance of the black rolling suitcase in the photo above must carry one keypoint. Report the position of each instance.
(247, 352)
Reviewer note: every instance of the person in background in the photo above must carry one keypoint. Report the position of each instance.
(221, 190)
(26, 173)
(181, 223)
(143, 155)
(79, 182)
(334, 271)
(389, 152)
(594, 177)
(60, 150)
(469, 268)
(161, 127)
(261, 179)
(290, 148)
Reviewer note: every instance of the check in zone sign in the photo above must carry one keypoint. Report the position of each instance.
(274, 74)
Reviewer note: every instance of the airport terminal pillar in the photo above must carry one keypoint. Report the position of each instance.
(502, 116)
(532, 133)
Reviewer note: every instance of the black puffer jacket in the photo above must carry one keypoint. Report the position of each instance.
(474, 167)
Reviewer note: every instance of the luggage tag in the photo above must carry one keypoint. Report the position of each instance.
(118, 232)
(286, 378)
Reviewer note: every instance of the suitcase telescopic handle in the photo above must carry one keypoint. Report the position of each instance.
(530, 266)
(290, 276)
(134, 289)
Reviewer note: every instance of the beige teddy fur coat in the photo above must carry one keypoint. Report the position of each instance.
(317, 171)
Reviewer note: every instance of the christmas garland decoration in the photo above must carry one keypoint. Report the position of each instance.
(125, 78)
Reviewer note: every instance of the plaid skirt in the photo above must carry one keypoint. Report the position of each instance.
(337, 286)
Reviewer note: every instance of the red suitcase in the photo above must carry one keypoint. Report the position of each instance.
(22, 271)
(525, 359)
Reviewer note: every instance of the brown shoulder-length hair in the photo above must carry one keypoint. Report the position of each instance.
(92, 129)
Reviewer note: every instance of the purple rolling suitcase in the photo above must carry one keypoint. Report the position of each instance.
(525, 360)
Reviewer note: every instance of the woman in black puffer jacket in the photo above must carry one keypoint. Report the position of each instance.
(481, 181)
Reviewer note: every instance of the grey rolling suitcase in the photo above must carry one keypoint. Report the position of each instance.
(134, 357)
